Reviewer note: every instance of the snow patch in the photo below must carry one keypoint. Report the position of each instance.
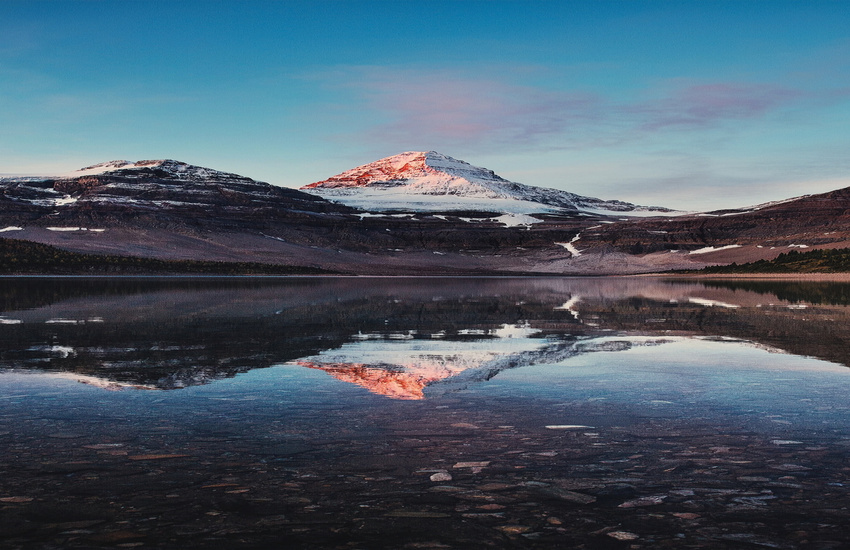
(515, 220)
(59, 351)
(11, 228)
(514, 331)
(101, 168)
(775, 203)
(75, 229)
(389, 200)
(66, 321)
(711, 303)
(570, 305)
(102, 383)
(571, 247)
(64, 201)
(707, 249)
(637, 212)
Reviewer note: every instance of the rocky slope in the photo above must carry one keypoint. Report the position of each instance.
(161, 188)
(166, 209)
(746, 234)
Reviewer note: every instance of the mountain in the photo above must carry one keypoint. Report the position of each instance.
(153, 185)
(735, 235)
(168, 209)
(424, 214)
(431, 181)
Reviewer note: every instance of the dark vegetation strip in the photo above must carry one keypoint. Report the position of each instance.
(835, 260)
(28, 258)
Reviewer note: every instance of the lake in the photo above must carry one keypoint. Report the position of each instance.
(424, 413)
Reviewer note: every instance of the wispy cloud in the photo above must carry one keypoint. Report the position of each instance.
(447, 108)
(704, 105)
(450, 108)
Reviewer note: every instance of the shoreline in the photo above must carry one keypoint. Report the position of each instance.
(814, 277)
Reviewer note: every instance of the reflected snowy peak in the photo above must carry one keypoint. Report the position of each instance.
(415, 368)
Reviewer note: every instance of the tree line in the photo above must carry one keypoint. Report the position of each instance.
(834, 260)
(29, 258)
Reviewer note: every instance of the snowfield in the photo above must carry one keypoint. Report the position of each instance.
(392, 200)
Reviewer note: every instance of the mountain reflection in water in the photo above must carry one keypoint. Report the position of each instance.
(402, 338)
(406, 369)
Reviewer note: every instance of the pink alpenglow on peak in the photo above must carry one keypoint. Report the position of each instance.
(433, 182)
(427, 172)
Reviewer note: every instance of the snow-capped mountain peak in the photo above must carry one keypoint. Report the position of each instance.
(167, 168)
(163, 184)
(431, 181)
(428, 173)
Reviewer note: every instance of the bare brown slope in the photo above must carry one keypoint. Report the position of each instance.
(814, 220)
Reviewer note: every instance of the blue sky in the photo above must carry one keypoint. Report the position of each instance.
(697, 104)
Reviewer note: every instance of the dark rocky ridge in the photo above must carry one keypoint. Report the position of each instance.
(157, 193)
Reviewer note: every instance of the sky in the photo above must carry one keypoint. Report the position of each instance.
(688, 104)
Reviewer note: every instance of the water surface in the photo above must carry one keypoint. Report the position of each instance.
(423, 413)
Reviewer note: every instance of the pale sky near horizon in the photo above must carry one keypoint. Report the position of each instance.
(687, 104)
